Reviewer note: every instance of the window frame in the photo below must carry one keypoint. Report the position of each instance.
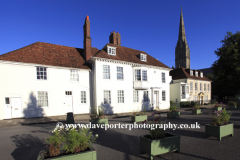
(113, 50)
(163, 95)
(109, 100)
(208, 87)
(120, 75)
(38, 100)
(191, 73)
(205, 87)
(163, 77)
(201, 74)
(143, 57)
(74, 73)
(120, 96)
(145, 96)
(196, 86)
(38, 70)
(135, 96)
(196, 74)
(200, 87)
(83, 99)
(106, 73)
(191, 86)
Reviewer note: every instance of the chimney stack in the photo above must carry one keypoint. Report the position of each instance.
(87, 39)
(115, 38)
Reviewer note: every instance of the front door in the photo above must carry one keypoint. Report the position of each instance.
(16, 107)
(68, 104)
(155, 99)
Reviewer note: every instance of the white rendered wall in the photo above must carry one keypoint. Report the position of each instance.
(19, 80)
(127, 84)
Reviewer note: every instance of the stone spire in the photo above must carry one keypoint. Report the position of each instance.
(182, 51)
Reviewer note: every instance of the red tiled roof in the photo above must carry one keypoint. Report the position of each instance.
(49, 54)
(180, 73)
(128, 55)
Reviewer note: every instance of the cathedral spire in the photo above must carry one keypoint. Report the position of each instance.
(182, 36)
(182, 51)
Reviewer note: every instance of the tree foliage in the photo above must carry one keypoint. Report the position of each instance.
(226, 69)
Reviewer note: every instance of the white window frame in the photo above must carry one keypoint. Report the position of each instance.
(208, 87)
(194, 98)
(83, 97)
(163, 77)
(111, 50)
(74, 75)
(196, 74)
(120, 96)
(119, 73)
(201, 74)
(68, 93)
(206, 99)
(196, 86)
(191, 86)
(200, 87)
(107, 96)
(191, 73)
(44, 99)
(145, 96)
(163, 95)
(40, 73)
(143, 57)
(205, 88)
(106, 72)
(139, 75)
(135, 96)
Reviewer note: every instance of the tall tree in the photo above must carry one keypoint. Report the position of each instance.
(226, 69)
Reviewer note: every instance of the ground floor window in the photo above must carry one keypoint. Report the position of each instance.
(163, 95)
(194, 98)
(83, 97)
(120, 96)
(135, 96)
(205, 99)
(42, 99)
(145, 96)
(107, 97)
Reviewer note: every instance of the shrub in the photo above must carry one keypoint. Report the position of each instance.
(173, 109)
(185, 104)
(232, 103)
(158, 132)
(220, 117)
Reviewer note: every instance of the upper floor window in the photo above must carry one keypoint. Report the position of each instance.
(42, 73)
(140, 76)
(195, 87)
(106, 72)
(74, 76)
(208, 87)
(163, 77)
(200, 87)
(204, 87)
(143, 57)
(191, 86)
(42, 100)
(111, 50)
(201, 74)
(119, 72)
(191, 73)
(196, 74)
(68, 93)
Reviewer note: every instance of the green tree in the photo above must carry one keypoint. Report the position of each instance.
(226, 69)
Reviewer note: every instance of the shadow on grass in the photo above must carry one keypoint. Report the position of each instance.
(28, 147)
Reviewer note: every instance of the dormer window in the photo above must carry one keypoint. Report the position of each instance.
(111, 50)
(201, 74)
(196, 74)
(143, 57)
(191, 73)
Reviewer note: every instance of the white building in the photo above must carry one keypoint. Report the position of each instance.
(44, 79)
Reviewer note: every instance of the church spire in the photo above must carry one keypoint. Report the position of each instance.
(182, 36)
(182, 51)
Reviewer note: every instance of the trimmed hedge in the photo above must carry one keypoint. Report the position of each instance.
(185, 104)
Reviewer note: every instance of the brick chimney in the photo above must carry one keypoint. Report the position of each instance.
(115, 38)
(87, 39)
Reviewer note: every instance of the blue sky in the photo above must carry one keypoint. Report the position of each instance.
(151, 26)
